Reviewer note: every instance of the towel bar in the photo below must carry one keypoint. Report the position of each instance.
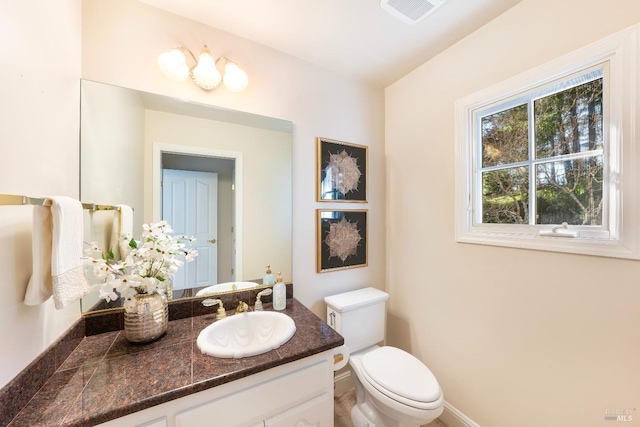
(13, 199)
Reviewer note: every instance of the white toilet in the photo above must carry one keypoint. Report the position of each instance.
(393, 388)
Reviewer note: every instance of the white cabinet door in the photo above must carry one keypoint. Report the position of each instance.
(227, 411)
(140, 419)
(317, 412)
(157, 423)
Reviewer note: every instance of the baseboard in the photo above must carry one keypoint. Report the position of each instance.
(342, 383)
(452, 417)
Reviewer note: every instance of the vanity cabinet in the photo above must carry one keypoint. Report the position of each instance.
(312, 413)
(296, 394)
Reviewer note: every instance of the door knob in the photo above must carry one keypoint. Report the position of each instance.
(211, 241)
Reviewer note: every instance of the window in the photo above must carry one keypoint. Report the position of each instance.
(541, 160)
(541, 156)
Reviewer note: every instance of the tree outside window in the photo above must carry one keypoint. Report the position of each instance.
(542, 161)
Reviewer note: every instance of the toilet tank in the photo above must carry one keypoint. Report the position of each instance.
(359, 316)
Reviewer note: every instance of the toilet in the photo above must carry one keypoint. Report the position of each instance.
(393, 388)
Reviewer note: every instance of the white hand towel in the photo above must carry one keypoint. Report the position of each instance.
(126, 228)
(59, 243)
(69, 282)
(39, 287)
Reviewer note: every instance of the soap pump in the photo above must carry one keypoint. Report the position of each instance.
(279, 294)
(268, 279)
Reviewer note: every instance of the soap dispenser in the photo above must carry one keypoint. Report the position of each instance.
(268, 279)
(279, 294)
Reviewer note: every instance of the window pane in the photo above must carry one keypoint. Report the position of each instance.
(569, 121)
(505, 196)
(570, 191)
(505, 137)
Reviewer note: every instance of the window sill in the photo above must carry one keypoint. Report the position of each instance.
(575, 245)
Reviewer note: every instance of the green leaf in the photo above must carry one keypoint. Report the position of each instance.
(133, 244)
(111, 255)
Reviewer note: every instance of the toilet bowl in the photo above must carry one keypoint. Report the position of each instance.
(393, 387)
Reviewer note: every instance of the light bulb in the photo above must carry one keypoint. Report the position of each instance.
(173, 65)
(205, 74)
(235, 79)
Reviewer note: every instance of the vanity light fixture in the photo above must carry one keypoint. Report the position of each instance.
(173, 64)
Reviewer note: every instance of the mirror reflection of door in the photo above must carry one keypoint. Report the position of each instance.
(190, 206)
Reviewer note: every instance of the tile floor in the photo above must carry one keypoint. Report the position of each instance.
(344, 403)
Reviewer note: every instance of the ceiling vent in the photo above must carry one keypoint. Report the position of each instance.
(410, 11)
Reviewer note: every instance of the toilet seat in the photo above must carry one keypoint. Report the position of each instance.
(401, 377)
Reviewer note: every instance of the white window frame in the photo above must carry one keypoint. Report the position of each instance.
(619, 236)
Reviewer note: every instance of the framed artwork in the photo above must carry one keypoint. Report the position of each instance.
(341, 239)
(341, 171)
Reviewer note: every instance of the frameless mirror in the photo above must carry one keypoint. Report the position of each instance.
(223, 176)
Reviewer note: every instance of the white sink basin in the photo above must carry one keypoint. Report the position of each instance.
(246, 334)
(226, 287)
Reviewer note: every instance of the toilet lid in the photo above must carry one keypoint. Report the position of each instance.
(395, 372)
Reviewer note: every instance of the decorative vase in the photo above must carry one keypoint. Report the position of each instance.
(168, 288)
(145, 319)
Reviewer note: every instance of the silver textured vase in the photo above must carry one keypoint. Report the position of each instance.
(146, 319)
(168, 288)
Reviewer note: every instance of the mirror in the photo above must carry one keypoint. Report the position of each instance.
(135, 146)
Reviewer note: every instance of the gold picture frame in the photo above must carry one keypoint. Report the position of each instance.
(341, 239)
(341, 171)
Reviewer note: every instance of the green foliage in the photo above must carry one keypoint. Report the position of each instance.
(567, 189)
(505, 137)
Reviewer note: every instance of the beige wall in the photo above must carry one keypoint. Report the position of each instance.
(40, 87)
(515, 337)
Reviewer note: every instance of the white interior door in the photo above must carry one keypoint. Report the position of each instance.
(190, 206)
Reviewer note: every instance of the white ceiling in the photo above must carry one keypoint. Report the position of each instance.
(352, 37)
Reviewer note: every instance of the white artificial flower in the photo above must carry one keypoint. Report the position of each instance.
(191, 255)
(107, 293)
(149, 262)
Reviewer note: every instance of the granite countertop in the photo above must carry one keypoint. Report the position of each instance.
(106, 377)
